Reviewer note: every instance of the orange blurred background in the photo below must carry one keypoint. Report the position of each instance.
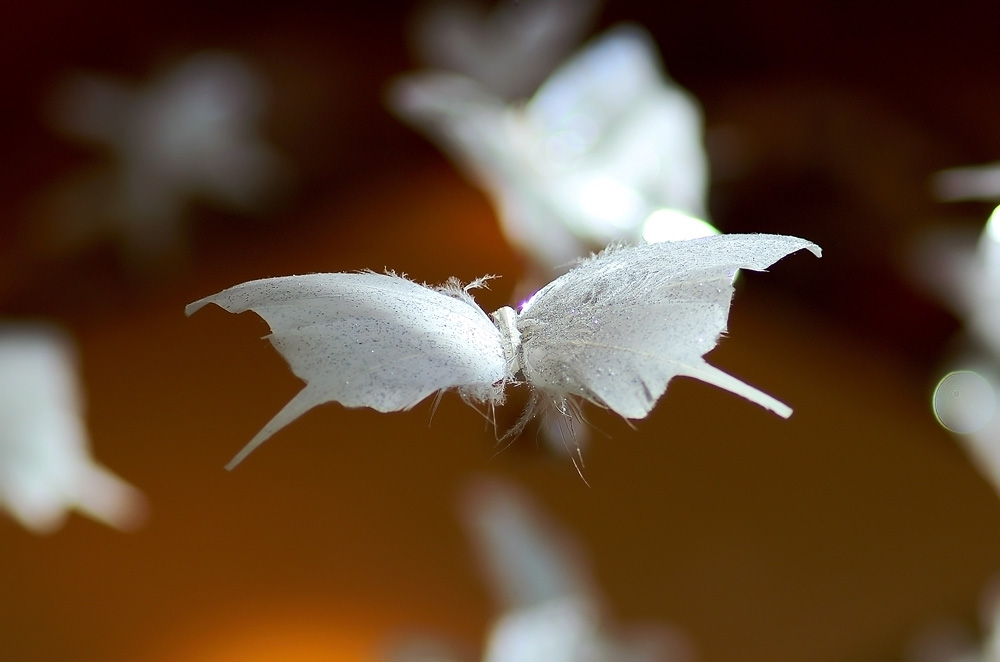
(835, 535)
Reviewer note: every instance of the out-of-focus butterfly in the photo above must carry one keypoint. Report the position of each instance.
(550, 608)
(45, 464)
(190, 135)
(608, 149)
(510, 48)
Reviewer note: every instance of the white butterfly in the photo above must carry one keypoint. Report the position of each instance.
(46, 467)
(192, 134)
(966, 277)
(952, 641)
(980, 182)
(551, 609)
(614, 330)
(608, 149)
(510, 47)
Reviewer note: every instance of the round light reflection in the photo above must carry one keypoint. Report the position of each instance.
(964, 402)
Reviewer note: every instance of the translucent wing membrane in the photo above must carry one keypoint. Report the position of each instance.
(370, 340)
(617, 328)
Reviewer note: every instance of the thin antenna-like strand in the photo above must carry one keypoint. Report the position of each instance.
(709, 373)
(303, 401)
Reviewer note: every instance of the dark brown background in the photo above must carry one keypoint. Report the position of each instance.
(832, 536)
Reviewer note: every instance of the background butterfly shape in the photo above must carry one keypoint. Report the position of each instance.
(608, 149)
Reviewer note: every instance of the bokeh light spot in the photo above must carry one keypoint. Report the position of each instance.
(964, 402)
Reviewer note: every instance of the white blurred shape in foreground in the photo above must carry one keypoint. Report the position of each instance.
(190, 135)
(551, 610)
(968, 183)
(965, 403)
(607, 144)
(509, 49)
(45, 463)
(966, 277)
(951, 642)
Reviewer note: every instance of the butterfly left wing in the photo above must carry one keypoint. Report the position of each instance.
(371, 340)
(618, 327)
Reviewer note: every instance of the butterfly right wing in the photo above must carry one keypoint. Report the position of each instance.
(370, 340)
(617, 328)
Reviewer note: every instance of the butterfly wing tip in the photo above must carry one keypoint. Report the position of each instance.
(242, 455)
(784, 411)
(195, 306)
(774, 405)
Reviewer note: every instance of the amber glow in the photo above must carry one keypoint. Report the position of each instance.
(267, 634)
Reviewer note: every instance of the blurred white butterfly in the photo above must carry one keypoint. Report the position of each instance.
(966, 277)
(192, 134)
(45, 463)
(551, 609)
(613, 330)
(608, 149)
(952, 641)
(510, 48)
(980, 182)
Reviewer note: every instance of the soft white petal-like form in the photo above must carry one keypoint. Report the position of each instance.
(509, 49)
(619, 326)
(964, 274)
(45, 464)
(550, 609)
(968, 183)
(606, 142)
(371, 340)
(191, 134)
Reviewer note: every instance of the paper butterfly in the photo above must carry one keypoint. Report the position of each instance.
(613, 330)
(552, 608)
(509, 48)
(609, 149)
(950, 640)
(192, 134)
(980, 182)
(46, 467)
(966, 277)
